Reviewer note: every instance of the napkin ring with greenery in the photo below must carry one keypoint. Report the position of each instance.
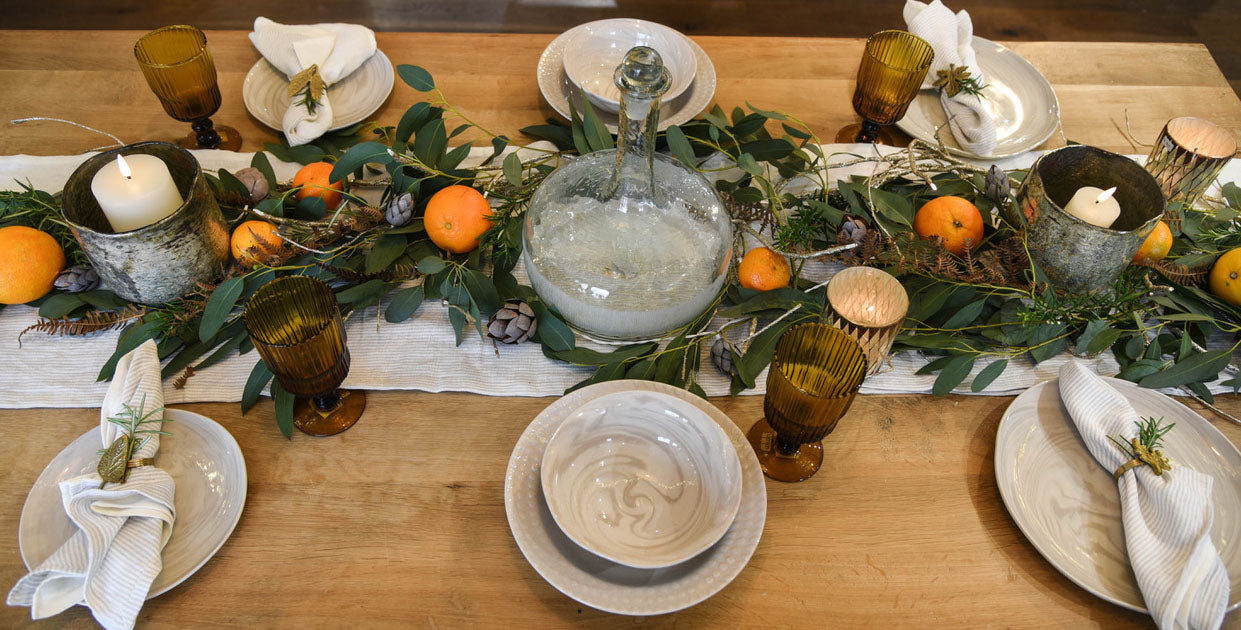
(116, 460)
(1144, 449)
(310, 85)
(957, 80)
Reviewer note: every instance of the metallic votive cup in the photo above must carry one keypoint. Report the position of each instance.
(1074, 254)
(162, 261)
(869, 305)
(1188, 156)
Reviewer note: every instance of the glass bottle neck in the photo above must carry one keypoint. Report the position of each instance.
(635, 156)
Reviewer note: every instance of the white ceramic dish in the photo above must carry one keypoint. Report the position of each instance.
(1067, 505)
(594, 50)
(1018, 96)
(559, 90)
(210, 475)
(642, 478)
(265, 92)
(603, 584)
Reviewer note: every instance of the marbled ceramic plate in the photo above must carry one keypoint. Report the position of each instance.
(210, 474)
(642, 478)
(1067, 505)
(604, 584)
(265, 92)
(1021, 101)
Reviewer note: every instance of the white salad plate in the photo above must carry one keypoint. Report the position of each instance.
(604, 584)
(644, 479)
(595, 49)
(558, 89)
(1068, 506)
(210, 475)
(266, 92)
(1018, 96)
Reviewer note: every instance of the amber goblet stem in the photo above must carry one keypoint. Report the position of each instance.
(868, 133)
(327, 402)
(208, 138)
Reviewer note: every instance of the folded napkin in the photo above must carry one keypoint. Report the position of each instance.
(337, 49)
(1167, 517)
(952, 37)
(110, 561)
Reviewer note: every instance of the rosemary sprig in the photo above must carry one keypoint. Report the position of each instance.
(114, 460)
(1145, 449)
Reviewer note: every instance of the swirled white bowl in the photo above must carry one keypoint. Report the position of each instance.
(594, 49)
(642, 479)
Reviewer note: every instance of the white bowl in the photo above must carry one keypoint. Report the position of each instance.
(642, 478)
(594, 49)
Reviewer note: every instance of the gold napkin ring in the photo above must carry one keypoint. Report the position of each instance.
(138, 463)
(1127, 466)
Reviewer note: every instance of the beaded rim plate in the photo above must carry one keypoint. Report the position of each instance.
(353, 98)
(1067, 505)
(557, 89)
(210, 474)
(606, 585)
(1020, 99)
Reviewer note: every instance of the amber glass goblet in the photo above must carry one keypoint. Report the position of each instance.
(179, 69)
(892, 69)
(814, 376)
(295, 325)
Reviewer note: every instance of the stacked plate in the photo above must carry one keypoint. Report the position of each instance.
(635, 497)
(578, 67)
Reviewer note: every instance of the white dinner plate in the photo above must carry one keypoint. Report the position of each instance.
(1068, 506)
(266, 92)
(603, 584)
(210, 475)
(556, 87)
(1018, 96)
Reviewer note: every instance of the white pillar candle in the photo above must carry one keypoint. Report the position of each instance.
(1094, 205)
(135, 192)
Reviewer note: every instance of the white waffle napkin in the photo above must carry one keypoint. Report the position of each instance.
(1167, 517)
(110, 561)
(338, 50)
(952, 37)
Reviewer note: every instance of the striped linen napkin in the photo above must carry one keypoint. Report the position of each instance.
(1167, 518)
(110, 561)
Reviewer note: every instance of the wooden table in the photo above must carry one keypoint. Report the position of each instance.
(400, 521)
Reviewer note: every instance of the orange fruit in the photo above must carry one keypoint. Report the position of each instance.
(763, 270)
(313, 180)
(30, 260)
(1156, 246)
(953, 219)
(456, 218)
(259, 235)
(1226, 277)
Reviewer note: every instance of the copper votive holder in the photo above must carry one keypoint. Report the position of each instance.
(1187, 157)
(1074, 254)
(162, 261)
(869, 305)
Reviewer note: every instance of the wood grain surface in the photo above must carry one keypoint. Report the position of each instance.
(400, 522)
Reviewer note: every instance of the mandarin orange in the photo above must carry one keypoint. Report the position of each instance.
(953, 219)
(456, 217)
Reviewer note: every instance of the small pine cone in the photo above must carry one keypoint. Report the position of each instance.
(255, 182)
(722, 355)
(513, 323)
(400, 210)
(77, 278)
(852, 230)
(997, 188)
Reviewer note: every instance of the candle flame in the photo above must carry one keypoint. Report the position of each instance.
(1105, 195)
(124, 167)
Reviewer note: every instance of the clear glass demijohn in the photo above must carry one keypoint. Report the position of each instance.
(628, 244)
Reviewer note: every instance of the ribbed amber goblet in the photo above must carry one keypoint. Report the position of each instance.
(179, 69)
(892, 69)
(814, 376)
(295, 325)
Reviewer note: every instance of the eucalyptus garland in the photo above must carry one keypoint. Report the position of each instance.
(992, 304)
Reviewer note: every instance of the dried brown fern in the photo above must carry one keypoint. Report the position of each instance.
(179, 382)
(1178, 273)
(92, 322)
(394, 273)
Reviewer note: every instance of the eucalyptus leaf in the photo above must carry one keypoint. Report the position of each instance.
(966, 315)
(263, 165)
(1202, 367)
(482, 291)
(386, 249)
(552, 331)
(218, 307)
(1088, 335)
(60, 305)
(404, 304)
(512, 169)
(953, 373)
(679, 145)
(416, 77)
(987, 375)
(458, 321)
(431, 264)
(132, 337)
(284, 408)
(259, 377)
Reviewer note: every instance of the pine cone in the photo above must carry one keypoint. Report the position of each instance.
(255, 182)
(400, 210)
(722, 356)
(852, 230)
(77, 279)
(513, 323)
(997, 188)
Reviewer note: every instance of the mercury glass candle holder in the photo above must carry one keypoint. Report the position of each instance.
(1074, 254)
(179, 68)
(1186, 159)
(869, 305)
(161, 261)
(889, 77)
